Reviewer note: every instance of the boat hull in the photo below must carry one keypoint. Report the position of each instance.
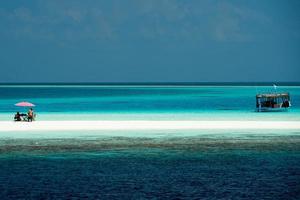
(272, 109)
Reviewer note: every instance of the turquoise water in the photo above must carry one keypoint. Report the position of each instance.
(148, 164)
(131, 102)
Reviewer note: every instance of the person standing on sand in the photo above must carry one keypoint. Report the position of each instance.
(30, 114)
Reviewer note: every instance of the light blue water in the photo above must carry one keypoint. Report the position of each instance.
(108, 102)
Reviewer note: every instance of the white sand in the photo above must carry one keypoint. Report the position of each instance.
(147, 125)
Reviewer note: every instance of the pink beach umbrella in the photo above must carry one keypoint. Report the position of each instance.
(24, 104)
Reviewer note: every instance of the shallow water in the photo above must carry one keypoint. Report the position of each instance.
(143, 102)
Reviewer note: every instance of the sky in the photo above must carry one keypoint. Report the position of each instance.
(149, 41)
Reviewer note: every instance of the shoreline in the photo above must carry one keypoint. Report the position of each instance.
(163, 116)
(124, 125)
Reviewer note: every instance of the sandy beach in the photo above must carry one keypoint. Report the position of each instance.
(147, 125)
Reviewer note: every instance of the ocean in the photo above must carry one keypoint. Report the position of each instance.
(140, 101)
(183, 164)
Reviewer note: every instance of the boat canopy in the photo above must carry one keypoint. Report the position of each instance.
(274, 95)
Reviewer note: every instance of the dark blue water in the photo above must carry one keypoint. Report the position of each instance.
(153, 173)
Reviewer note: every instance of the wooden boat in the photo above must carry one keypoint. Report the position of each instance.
(272, 102)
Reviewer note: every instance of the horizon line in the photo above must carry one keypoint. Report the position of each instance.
(248, 83)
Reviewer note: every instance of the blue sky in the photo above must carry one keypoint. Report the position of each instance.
(149, 41)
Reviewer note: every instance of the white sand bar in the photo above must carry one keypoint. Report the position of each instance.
(147, 125)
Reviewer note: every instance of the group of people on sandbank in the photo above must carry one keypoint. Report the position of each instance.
(29, 117)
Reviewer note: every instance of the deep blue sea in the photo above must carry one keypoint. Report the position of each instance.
(152, 173)
(148, 165)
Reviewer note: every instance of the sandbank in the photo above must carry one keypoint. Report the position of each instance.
(146, 125)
